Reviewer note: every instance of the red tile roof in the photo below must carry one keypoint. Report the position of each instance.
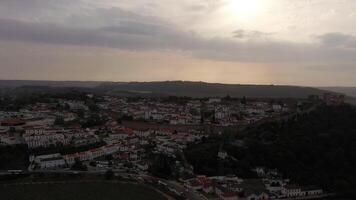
(228, 194)
(12, 122)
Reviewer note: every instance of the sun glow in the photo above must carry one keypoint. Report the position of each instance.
(245, 8)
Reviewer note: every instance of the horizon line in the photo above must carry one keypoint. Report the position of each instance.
(194, 81)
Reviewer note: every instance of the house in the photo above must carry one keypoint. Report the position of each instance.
(35, 138)
(262, 196)
(224, 193)
(143, 166)
(229, 196)
(121, 133)
(86, 155)
(208, 188)
(124, 156)
(142, 132)
(70, 158)
(202, 179)
(110, 149)
(133, 156)
(98, 152)
(8, 139)
(312, 191)
(292, 191)
(83, 141)
(274, 186)
(222, 154)
(50, 161)
(277, 107)
(214, 100)
(13, 123)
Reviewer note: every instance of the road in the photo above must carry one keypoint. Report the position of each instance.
(189, 193)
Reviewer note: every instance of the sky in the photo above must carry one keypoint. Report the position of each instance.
(285, 42)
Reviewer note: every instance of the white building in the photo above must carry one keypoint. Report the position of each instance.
(50, 161)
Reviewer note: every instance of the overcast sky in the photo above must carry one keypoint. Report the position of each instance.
(294, 42)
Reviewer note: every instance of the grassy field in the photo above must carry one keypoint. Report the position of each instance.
(79, 191)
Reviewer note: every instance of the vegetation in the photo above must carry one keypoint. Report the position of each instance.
(201, 89)
(79, 166)
(79, 191)
(13, 157)
(318, 148)
(162, 166)
(18, 98)
(94, 120)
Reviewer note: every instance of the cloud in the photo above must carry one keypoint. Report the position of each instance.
(197, 8)
(206, 5)
(122, 29)
(250, 34)
(38, 9)
(338, 40)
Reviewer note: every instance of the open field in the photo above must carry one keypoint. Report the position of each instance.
(79, 191)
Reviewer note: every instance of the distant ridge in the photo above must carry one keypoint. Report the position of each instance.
(349, 91)
(21, 83)
(175, 88)
(202, 89)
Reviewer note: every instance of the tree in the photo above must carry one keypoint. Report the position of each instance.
(59, 121)
(161, 166)
(92, 163)
(227, 97)
(94, 120)
(109, 174)
(244, 100)
(78, 166)
(80, 113)
(109, 157)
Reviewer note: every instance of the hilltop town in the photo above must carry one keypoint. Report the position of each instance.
(130, 135)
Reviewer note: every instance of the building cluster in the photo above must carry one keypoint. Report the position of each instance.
(45, 136)
(57, 139)
(263, 188)
(217, 111)
(108, 146)
(330, 99)
(124, 146)
(333, 99)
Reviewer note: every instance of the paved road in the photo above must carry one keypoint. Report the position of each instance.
(189, 193)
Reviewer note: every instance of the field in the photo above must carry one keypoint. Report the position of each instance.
(79, 191)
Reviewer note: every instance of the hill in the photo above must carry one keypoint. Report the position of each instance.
(317, 148)
(349, 91)
(202, 89)
(167, 88)
(21, 83)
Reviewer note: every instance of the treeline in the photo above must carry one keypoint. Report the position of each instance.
(16, 99)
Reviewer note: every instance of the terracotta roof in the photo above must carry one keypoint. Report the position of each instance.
(228, 194)
(13, 121)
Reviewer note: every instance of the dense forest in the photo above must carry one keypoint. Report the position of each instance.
(318, 148)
